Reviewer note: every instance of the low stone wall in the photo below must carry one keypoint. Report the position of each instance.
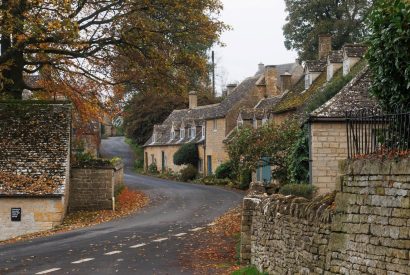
(371, 228)
(93, 188)
(366, 230)
(37, 214)
(286, 235)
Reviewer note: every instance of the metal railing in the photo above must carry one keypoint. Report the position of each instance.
(371, 132)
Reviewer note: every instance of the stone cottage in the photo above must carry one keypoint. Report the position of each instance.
(328, 135)
(207, 126)
(35, 142)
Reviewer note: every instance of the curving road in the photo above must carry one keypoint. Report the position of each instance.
(148, 242)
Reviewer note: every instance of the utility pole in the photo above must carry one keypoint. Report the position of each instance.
(213, 74)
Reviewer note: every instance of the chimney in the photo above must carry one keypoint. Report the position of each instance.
(261, 67)
(230, 88)
(193, 100)
(271, 79)
(325, 45)
(286, 82)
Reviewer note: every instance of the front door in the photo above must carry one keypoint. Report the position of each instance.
(266, 170)
(209, 162)
(163, 161)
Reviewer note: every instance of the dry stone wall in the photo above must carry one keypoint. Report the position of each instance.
(93, 188)
(363, 229)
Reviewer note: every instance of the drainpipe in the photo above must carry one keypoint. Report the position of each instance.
(309, 123)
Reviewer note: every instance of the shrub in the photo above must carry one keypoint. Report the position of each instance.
(212, 180)
(187, 154)
(189, 173)
(300, 190)
(245, 179)
(152, 169)
(224, 171)
(298, 159)
(249, 270)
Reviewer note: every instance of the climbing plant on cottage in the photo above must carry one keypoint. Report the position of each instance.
(268, 145)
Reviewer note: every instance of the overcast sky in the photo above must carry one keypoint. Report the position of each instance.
(256, 37)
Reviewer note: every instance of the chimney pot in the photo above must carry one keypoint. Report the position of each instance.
(193, 100)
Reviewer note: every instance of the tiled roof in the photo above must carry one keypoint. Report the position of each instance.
(315, 65)
(354, 50)
(251, 113)
(268, 103)
(353, 96)
(336, 57)
(298, 95)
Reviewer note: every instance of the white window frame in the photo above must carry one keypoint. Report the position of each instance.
(154, 137)
(182, 133)
(203, 131)
(239, 123)
(215, 125)
(193, 132)
(255, 123)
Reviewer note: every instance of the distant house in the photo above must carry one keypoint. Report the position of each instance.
(207, 126)
(328, 133)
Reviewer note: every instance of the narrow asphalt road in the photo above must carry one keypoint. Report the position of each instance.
(148, 242)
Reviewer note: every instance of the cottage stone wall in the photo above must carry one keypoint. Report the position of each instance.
(328, 147)
(214, 143)
(93, 188)
(365, 229)
(154, 155)
(37, 214)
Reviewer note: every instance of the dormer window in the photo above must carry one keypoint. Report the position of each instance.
(193, 132)
(172, 134)
(346, 66)
(308, 80)
(182, 133)
(154, 137)
(203, 131)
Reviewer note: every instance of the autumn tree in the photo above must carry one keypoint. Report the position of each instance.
(77, 46)
(307, 19)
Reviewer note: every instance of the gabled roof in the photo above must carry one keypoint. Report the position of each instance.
(335, 57)
(268, 103)
(251, 113)
(354, 96)
(354, 50)
(315, 66)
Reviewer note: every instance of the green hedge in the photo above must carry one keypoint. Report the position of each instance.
(187, 154)
(300, 190)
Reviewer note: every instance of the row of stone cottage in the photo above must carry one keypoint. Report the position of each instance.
(274, 93)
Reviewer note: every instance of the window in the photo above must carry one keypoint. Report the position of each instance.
(255, 123)
(193, 132)
(154, 137)
(200, 163)
(182, 133)
(239, 123)
(346, 66)
(307, 81)
(172, 134)
(329, 72)
(215, 125)
(203, 131)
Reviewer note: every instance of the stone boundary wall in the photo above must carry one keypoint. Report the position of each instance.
(286, 235)
(366, 230)
(93, 188)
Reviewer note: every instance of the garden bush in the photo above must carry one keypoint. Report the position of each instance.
(224, 171)
(187, 154)
(152, 169)
(189, 173)
(245, 179)
(301, 190)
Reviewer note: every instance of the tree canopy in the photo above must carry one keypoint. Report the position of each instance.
(306, 20)
(88, 50)
(389, 53)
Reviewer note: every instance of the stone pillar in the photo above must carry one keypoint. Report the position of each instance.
(249, 205)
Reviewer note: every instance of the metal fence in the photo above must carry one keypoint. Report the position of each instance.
(371, 132)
